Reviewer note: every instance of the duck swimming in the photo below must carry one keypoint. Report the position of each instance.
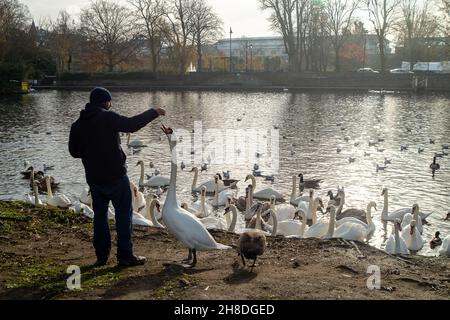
(436, 241)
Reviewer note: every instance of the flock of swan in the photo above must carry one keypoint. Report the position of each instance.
(260, 213)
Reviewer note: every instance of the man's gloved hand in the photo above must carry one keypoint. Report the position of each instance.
(160, 111)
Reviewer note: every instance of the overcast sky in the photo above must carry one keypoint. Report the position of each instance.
(243, 16)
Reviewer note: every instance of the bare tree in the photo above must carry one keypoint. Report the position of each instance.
(13, 16)
(206, 27)
(417, 23)
(340, 14)
(382, 15)
(107, 25)
(283, 19)
(180, 19)
(63, 41)
(150, 16)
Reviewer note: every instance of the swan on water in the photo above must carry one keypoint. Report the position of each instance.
(34, 198)
(399, 213)
(349, 227)
(412, 237)
(184, 226)
(414, 215)
(210, 184)
(264, 194)
(153, 182)
(134, 143)
(396, 244)
(220, 197)
(200, 208)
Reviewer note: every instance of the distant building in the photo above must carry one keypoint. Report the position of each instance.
(260, 48)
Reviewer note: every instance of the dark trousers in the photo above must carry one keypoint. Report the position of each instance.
(119, 193)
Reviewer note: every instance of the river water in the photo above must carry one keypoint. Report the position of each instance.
(311, 126)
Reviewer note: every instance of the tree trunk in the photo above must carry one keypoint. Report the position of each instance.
(337, 62)
(199, 54)
(382, 56)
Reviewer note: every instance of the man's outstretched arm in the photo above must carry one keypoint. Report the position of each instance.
(124, 124)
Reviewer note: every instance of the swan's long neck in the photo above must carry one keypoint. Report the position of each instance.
(341, 205)
(416, 214)
(172, 194)
(258, 220)
(253, 182)
(203, 204)
(314, 210)
(194, 182)
(294, 184)
(153, 216)
(303, 226)
(369, 214)
(49, 188)
(216, 194)
(275, 223)
(36, 195)
(272, 203)
(384, 213)
(331, 224)
(397, 239)
(141, 179)
(32, 176)
(128, 138)
(234, 219)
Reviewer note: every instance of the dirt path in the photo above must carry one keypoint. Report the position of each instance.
(37, 246)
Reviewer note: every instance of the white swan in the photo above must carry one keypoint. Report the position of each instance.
(412, 237)
(346, 227)
(185, 227)
(134, 143)
(57, 201)
(266, 193)
(291, 227)
(444, 250)
(150, 212)
(84, 209)
(283, 211)
(226, 223)
(414, 216)
(199, 208)
(34, 199)
(138, 199)
(396, 244)
(210, 184)
(220, 197)
(399, 213)
(153, 182)
(323, 230)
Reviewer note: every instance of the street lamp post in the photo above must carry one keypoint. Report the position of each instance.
(231, 68)
(251, 57)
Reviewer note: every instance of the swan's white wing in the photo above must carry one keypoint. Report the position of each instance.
(318, 230)
(289, 228)
(267, 193)
(284, 212)
(351, 220)
(189, 230)
(350, 231)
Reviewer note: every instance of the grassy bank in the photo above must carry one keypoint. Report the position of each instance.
(37, 245)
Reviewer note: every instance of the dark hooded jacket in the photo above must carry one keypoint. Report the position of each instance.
(94, 138)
